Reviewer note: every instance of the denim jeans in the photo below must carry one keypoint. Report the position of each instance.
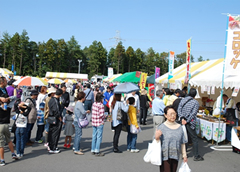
(20, 139)
(28, 133)
(194, 137)
(97, 138)
(64, 112)
(46, 126)
(78, 136)
(228, 132)
(131, 139)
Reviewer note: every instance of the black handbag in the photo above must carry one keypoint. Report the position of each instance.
(52, 120)
(230, 117)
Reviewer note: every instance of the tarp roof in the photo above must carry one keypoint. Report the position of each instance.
(196, 68)
(66, 75)
(213, 77)
(128, 77)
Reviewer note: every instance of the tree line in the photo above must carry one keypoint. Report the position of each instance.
(36, 58)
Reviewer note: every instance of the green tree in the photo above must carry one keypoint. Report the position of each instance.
(140, 57)
(23, 48)
(15, 51)
(200, 59)
(102, 53)
(5, 45)
(130, 58)
(74, 53)
(150, 61)
(118, 57)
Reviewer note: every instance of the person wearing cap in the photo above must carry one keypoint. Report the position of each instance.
(69, 127)
(40, 123)
(32, 117)
(55, 129)
(51, 92)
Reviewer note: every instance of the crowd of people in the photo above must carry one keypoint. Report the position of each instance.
(50, 108)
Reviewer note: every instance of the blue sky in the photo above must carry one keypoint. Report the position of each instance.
(162, 25)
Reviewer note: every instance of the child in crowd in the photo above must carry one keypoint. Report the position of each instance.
(40, 123)
(132, 138)
(22, 111)
(69, 127)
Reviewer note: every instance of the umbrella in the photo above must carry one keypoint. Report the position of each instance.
(30, 81)
(55, 81)
(126, 88)
(70, 81)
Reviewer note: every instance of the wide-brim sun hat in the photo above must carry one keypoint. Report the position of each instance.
(70, 108)
(51, 90)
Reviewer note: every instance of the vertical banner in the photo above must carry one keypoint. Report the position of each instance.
(170, 64)
(157, 72)
(143, 80)
(110, 72)
(232, 58)
(188, 61)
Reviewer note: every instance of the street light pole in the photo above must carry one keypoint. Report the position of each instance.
(79, 61)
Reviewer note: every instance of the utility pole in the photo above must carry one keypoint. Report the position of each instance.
(79, 62)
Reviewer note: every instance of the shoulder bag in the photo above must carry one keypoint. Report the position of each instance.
(82, 123)
(119, 113)
(52, 120)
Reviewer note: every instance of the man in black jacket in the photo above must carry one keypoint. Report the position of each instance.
(55, 129)
(4, 122)
(65, 99)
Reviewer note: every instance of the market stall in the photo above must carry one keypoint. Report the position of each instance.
(133, 77)
(66, 75)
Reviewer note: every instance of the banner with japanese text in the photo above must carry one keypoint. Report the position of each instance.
(157, 72)
(143, 80)
(170, 64)
(232, 59)
(110, 72)
(188, 61)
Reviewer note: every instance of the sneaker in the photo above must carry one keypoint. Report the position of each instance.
(54, 151)
(46, 144)
(198, 158)
(68, 146)
(128, 150)
(99, 154)
(78, 153)
(19, 156)
(40, 141)
(73, 148)
(2, 163)
(134, 150)
(48, 148)
(14, 156)
(65, 145)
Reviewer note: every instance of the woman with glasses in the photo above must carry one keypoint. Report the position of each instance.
(172, 141)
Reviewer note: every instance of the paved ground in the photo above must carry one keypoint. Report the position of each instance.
(37, 159)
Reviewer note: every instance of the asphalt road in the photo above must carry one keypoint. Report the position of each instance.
(37, 159)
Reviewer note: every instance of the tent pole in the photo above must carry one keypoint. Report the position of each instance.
(225, 51)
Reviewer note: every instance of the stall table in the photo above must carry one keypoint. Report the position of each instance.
(208, 127)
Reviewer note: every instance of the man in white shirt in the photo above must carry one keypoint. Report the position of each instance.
(137, 102)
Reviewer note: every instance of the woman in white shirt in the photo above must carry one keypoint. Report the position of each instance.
(42, 96)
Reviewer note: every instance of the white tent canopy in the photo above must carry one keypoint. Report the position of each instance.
(66, 75)
(213, 77)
